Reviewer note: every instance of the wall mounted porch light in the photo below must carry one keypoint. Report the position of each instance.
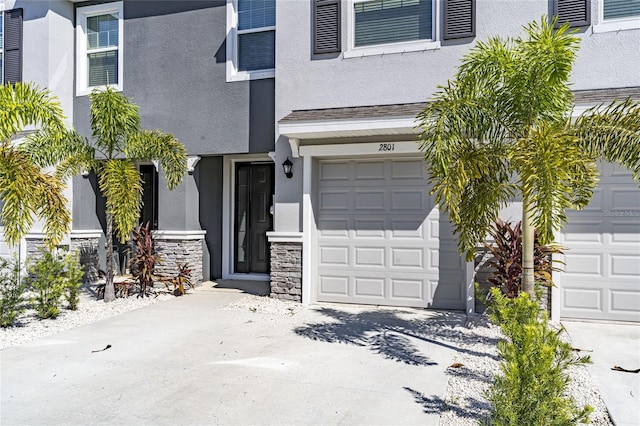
(287, 167)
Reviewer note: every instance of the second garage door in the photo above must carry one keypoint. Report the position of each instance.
(601, 278)
(380, 238)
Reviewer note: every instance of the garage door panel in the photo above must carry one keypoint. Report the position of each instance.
(581, 264)
(369, 257)
(334, 200)
(627, 232)
(393, 245)
(583, 299)
(624, 199)
(370, 201)
(369, 287)
(625, 265)
(412, 169)
(333, 171)
(410, 228)
(581, 232)
(624, 301)
(408, 200)
(334, 256)
(407, 258)
(334, 285)
(366, 170)
(411, 290)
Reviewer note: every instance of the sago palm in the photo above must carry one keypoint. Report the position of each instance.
(118, 144)
(503, 127)
(26, 191)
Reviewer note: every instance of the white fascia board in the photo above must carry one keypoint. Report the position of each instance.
(337, 128)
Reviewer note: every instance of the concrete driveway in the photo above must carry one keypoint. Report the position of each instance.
(612, 344)
(188, 361)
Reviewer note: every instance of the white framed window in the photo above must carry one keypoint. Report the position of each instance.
(251, 39)
(99, 47)
(617, 15)
(378, 27)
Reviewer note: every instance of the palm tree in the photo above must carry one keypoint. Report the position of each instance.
(119, 143)
(26, 190)
(503, 127)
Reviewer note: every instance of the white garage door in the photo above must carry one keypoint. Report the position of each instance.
(380, 239)
(602, 271)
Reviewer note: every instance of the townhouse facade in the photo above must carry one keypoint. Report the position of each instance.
(299, 121)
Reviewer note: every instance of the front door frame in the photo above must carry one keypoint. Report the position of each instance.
(228, 202)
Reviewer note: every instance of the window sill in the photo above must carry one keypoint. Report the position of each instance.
(620, 25)
(250, 75)
(87, 90)
(386, 49)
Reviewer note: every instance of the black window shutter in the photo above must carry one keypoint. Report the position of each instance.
(576, 12)
(326, 26)
(12, 55)
(459, 19)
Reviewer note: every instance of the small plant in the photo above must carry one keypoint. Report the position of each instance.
(144, 260)
(47, 279)
(532, 387)
(182, 280)
(73, 279)
(506, 263)
(12, 300)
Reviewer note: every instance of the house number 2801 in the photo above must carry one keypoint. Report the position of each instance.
(387, 147)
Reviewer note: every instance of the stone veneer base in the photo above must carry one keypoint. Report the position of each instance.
(286, 271)
(179, 250)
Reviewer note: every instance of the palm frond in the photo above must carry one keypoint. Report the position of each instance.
(612, 132)
(113, 118)
(554, 174)
(25, 192)
(22, 104)
(68, 151)
(121, 184)
(155, 145)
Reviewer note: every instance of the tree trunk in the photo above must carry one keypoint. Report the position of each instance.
(528, 240)
(109, 291)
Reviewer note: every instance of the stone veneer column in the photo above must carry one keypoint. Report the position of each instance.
(286, 265)
(87, 243)
(180, 246)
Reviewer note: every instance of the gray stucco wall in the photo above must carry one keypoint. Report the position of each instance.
(305, 81)
(175, 70)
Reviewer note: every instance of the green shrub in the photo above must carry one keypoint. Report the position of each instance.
(532, 387)
(12, 298)
(73, 279)
(47, 280)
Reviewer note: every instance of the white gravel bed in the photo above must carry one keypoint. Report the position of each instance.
(28, 327)
(465, 401)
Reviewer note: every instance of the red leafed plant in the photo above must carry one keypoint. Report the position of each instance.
(144, 260)
(506, 262)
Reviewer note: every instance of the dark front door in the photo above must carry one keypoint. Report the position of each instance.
(253, 193)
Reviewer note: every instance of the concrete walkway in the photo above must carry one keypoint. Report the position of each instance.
(187, 361)
(612, 344)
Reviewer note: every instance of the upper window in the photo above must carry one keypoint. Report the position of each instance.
(99, 47)
(391, 26)
(252, 39)
(616, 15)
